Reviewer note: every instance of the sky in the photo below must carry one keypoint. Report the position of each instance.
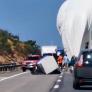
(31, 20)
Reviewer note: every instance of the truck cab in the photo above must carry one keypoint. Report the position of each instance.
(30, 62)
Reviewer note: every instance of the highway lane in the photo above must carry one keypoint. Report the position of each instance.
(9, 73)
(67, 83)
(28, 83)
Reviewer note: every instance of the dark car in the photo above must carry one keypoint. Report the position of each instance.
(83, 69)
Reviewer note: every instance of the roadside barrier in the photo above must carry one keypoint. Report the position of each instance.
(9, 67)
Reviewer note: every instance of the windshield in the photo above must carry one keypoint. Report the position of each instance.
(33, 58)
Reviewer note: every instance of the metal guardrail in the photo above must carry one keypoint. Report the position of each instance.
(8, 67)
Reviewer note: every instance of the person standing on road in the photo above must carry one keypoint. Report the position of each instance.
(72, 62)
(65, 62)
(60, 60)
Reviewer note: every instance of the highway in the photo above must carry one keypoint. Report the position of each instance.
(68, 82)
(26, 82)
(19, 81)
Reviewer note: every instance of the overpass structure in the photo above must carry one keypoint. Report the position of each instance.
(74, 23)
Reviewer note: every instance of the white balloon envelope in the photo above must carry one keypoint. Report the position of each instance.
(74, 22)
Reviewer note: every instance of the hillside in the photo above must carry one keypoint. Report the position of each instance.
(11, 48)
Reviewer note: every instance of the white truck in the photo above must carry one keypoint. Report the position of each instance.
(48, 63)
(49, 49)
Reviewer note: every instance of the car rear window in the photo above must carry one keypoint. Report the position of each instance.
(87, 57)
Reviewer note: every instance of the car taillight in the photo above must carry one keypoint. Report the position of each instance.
(80, 62)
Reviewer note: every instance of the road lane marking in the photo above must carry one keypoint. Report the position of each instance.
(12, 76)
(58, 83)
(60, 76)
(56, 86)
(58, 80)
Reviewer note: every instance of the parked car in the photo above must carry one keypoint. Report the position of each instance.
(83, 69)
(30, 63)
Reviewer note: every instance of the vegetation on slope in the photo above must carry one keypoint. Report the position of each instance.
(11, 48)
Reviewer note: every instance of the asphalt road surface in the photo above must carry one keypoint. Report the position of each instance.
(26, 82)
(67, 83)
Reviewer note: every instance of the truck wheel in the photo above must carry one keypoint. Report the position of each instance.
(24, 69)
(33, 71)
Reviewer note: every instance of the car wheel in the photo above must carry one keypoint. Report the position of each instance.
(76, 84)
(24, 69)
(32, 70)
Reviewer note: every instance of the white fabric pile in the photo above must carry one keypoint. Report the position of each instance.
(74, 17)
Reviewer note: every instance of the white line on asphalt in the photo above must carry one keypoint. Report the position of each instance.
(12, 76)
(58, 80)
(60, 76)
(56, 86)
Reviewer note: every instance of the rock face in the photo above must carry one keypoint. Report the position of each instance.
(74, 23)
